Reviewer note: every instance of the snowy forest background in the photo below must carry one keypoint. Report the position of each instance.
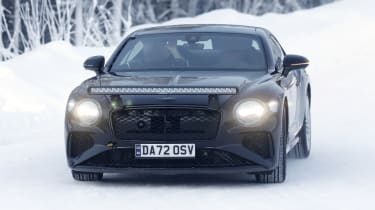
(27, 24)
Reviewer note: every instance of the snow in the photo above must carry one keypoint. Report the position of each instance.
(337, 38)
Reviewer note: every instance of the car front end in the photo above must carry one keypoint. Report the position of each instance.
(228, 130)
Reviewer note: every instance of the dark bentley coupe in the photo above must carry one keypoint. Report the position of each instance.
(191, 99)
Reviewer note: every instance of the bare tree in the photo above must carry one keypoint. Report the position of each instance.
(117, 22)
(192, 8)
(129, 22)
(78, 23)
(16, 26)
(150, 11)
(33, 21)
(3, 28)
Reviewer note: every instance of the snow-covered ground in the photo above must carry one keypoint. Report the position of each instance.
(337, 38)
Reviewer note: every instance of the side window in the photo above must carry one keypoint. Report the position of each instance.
(276, 49)
(277, 52)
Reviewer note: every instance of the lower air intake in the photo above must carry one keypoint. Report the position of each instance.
(79, 143)
(205, 158)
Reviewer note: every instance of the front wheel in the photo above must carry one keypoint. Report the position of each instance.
(303, 147)
(277, 175)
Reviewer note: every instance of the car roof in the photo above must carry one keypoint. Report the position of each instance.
(216, 28)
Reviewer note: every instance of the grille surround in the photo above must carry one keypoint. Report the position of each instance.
(165, 123)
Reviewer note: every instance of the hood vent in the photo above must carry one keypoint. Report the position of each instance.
(163, 90)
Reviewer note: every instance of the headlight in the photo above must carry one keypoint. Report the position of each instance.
(250, 112)
(87, 112)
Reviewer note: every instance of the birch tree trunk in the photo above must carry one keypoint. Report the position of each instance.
(78, 23)
(2, 28)
(117, 23)
(246, 6)
(150, 11)
(208, 5)
(192, 8)
(16, 26)
(129, 22)
(174, 7)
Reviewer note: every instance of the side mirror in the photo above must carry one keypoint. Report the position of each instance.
(293, 62)
(95, 63)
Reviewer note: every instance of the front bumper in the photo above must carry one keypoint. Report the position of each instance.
(234, 150)
(173, 171)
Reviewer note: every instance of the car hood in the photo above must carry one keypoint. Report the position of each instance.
(181, 79)
(239, 80)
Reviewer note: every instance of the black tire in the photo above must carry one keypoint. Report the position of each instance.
(303, 147)
(277, 175)
(87, 176)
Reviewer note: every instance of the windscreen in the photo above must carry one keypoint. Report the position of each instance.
(191, 51)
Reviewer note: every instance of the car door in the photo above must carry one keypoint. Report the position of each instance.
(290, 83)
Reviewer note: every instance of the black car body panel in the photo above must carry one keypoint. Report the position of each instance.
(222, 144)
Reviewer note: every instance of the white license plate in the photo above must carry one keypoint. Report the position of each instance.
(165, 150)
